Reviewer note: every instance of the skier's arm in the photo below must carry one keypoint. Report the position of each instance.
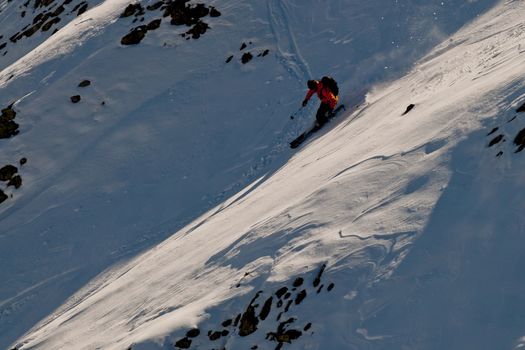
(308, 96)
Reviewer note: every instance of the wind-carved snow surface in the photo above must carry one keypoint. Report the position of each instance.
(415, 219)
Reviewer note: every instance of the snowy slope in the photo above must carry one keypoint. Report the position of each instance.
(180, 130)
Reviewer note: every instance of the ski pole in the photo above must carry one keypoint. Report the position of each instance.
(296, 112)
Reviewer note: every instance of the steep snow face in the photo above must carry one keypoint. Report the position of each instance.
(26, 24)
(388, 230)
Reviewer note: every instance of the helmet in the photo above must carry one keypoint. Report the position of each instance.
(312, 84)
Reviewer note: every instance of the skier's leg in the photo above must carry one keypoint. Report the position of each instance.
(322, 113)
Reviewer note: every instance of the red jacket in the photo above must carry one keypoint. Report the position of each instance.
(325, 95)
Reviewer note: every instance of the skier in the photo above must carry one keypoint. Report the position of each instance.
(328, 92)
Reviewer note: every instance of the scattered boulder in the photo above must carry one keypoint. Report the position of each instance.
(198, 29)
(246, 57)
(298, 282)
(265, 311)
(243, 46)
(519, 140)
(330, 287)
(214, 12)
(317, 279)
(249, 322)
(228, 60)
(75, 99)
(496, 140)
(23, 161)
(214, 335)
(409, 108)
(264, 53)
(192, 333)
(7, 172)
(300, 297)
(154, 24)
(84, 83)
(227, 323)
(183, 343)
(135, 36)
(131, 9)
(282, 291)
(155, 6)
(493, 131)
(15, 181)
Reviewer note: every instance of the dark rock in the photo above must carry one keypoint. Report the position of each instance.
(237, 319)
(8, 113)
(215, 335)
(519, 140)
(300, 297)
(496, 140)
(307, 327)
(3, 196)
(214, 12)
(84, 83)
(2, 46)
(155, 6)
(82, 9)
(409, 108)
(254, 347)
(183, 343)
(282, 335)
(58, 11)
(75, 99)
(243, 46)
(225, 332)
(287, 307)
(493, 131)
(265, 311)
(7, 172)
(281, 292)
(131, 9)
(317, 279)
(198, 29)
(8, 128)
(192, 333)
(246, 57)
(249, 322)
(521, 108)
(154, 24)
(264, 53)
(49, 24)
(227, 323)
(511, 119)
(229, 59)
(298, 282)
(330, 286)
(500, 153)
(16, 181)
(279, 303)
(287, 295)
(320, 288)
(135, 36)
(23, 161)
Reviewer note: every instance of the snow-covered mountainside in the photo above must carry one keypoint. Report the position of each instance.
(152, 201)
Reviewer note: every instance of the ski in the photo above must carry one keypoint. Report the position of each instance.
(301, 138)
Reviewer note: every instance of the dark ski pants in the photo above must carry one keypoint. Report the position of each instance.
(322, 113)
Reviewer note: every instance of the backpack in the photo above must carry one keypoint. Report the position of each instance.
(330, 83)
